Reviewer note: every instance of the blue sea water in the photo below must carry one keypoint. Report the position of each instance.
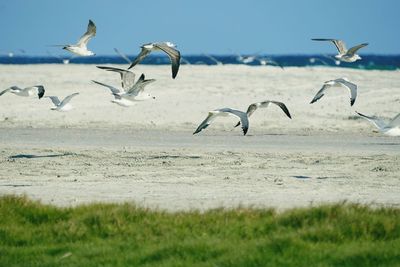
(381, 62)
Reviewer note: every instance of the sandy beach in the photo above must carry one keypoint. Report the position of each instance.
(147, 154)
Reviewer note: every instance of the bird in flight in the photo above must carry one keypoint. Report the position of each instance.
(28, 91)
(224, 112)
(167, 47)
(346, 55)
(391, 128)
(81, 47)
(341, 82)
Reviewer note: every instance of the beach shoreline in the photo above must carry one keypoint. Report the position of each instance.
(146, 154)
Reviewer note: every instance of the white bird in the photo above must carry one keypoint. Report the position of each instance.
(392, 128)
(245, 59)
(224, 112)
(127, 76)
(264, 104)
(135, 93)
(344, 54)
(62, 105)
(268, 61)
(81, 47)
(341, 82)
(28, 91)
(167, 47)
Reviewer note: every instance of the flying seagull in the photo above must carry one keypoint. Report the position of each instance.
(341, 82)
(267, 61)
(62, 105)
(81, 47)
(253, 107)
(392, 128)
(127, 77)
(28, 91)
(167, 47)
(224, 112)
(344, 54)
(126, 97)
(117, 95)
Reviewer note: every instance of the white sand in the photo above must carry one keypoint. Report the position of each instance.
(147, 154)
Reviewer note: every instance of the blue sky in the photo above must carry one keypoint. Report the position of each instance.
(203, 26)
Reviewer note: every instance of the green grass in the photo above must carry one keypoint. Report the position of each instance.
(33, 234)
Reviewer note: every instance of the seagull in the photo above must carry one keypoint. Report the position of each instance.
(117, 95)
(344, 54)
(267, 61)
(167, 47)
(81, 47)
(341, 82)
(28, 91)
(392, 128)
(62, 105)
(126, 98)
(245, 59)
(224, 112)
(264, 104)
(127, 77)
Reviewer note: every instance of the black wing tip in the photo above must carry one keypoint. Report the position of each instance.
(313, 101)
(245, 130)
(237, 124)
(352, 101)
(197, 131)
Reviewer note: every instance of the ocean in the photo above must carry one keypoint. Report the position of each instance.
(372, 62)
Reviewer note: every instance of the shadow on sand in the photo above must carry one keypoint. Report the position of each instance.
(31, 156)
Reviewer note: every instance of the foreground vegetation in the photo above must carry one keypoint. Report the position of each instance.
(32, 234)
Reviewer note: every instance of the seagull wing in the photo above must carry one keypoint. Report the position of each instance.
(140, 85)
(320, 93)
(380, 124)
(354, 49)
(67, 99)
(264, 104)
(144, 53)
(40, 90)
(250, 110)
(127, 77)
(90, 32)
(5, 91)
(174, 56)
(112, 88)
(207, 121)
(244, 120)
(352, 88)
(125, 57)
(282, 106)
(54, 99)
(395, 121)
(340, 45)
